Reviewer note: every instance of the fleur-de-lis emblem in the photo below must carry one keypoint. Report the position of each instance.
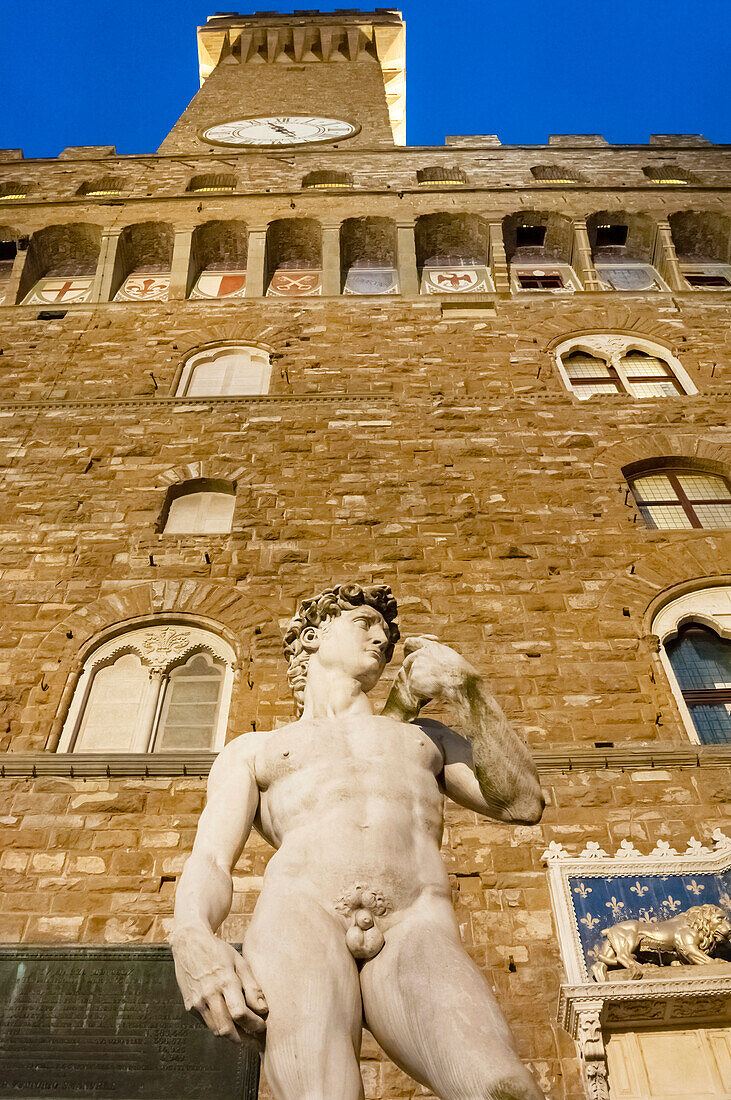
(616, 906)
(582, 890)
(695, 887)
(639, 889)
(589, 921)
(672, 904)
(648, 915)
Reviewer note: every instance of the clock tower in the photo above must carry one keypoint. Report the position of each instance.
(309, 79)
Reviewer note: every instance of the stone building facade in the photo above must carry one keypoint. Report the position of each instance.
(492, 376)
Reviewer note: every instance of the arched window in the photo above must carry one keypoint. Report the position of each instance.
(695, 650)
(678, 499)
(164, 687)
(588, 374)
(437, 176)
(199, 507)
(226, 372)
(620, 364)
(553, 173)
(670, 175)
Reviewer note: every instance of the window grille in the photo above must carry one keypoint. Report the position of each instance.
(676, 500)
(701, 663)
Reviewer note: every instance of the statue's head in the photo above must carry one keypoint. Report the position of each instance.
(352, 628)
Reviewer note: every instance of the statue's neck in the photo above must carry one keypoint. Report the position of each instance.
(333, 694)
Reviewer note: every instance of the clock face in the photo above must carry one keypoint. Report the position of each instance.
(279, 130)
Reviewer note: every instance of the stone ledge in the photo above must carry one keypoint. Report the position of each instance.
(16, 765)
(198, 402)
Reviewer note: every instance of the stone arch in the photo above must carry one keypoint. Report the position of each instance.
(325, 179)
(14, 189)
(439, 176)
(555, 173)
(294, 241)
(634, 328)
(223, 243)
(294, 257)
(556, 241)
(212, 182)
(368, 255)
(104, 185)
(701, 235)
(244, 623)
(455, 238)
(643, 449)
(207, 469)
(62, 251)
(147, 243)
(640, 238)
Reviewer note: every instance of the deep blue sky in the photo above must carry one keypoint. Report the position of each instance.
(95, 72)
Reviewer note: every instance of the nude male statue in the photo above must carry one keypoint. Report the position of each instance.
(354, 923)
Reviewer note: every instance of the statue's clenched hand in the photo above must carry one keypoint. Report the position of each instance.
(217, 982)
(431, 670)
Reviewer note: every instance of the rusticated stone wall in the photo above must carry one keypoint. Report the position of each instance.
(398, 443)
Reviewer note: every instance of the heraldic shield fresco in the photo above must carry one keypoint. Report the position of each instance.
(295, 282)
(657, 912)
(455, 275)
(54, 291)
(144, 286)
(215, 282)
(371, 280)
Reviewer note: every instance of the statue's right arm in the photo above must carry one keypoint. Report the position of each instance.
(214, 978)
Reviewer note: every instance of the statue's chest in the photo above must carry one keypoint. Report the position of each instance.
(376, 745)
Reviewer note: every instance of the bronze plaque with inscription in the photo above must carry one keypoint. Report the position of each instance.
(108, 1023)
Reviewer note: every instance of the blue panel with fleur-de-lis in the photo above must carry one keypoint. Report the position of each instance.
(600, 902)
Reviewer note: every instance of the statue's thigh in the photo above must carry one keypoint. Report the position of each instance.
(430, 1008)
(309, 978)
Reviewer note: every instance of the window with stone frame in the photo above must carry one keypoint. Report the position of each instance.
(694, 632)
(682, 499)
(603, 364)
(226, 371)
(701, 663)
(164, 687)
(199, 507)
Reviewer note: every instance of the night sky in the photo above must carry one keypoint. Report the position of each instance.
(102, 73)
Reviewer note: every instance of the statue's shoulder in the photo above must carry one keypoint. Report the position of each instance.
(239, 752)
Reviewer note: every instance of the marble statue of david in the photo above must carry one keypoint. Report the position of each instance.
(354, 925)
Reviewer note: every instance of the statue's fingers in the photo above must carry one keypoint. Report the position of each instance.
(252, 990)
(220, 1021)
(240, 1012)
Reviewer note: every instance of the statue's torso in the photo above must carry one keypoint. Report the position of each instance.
(353, 801)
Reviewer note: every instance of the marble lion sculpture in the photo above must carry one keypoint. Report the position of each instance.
(690, 936)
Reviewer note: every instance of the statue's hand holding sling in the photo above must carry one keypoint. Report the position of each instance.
(217, 982)
(501, 763)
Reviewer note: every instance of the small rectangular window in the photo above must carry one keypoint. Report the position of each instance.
(611, 236)
(540, 282)
(530, 236)
(8, 250)
(713, 282)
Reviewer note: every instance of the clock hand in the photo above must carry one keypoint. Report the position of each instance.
(282, 130)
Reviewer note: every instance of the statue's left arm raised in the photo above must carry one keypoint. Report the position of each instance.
(214, 978)
(487, 768)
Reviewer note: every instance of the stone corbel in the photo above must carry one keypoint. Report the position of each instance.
(593, 1052)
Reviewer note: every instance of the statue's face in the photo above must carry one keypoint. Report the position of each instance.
(355, 642)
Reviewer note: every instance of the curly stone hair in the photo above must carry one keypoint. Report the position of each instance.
(329, 604)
